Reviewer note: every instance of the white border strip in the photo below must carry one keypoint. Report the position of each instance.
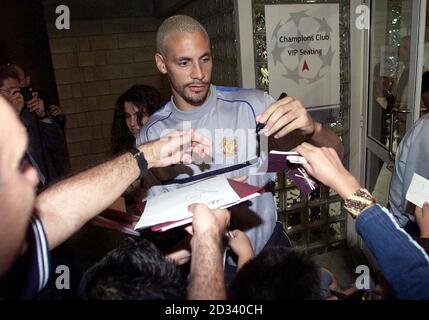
(245, 46)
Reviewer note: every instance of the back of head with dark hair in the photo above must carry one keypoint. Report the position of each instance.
(147, 99)
(277, 273)
(7, 72)
(134, 271)
(152, 96)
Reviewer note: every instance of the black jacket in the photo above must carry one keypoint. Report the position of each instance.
(45, 141)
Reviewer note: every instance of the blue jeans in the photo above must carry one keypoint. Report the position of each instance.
(403, 262)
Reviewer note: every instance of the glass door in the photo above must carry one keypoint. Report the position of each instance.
(394, 85)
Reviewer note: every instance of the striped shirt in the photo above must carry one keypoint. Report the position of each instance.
(30, 273)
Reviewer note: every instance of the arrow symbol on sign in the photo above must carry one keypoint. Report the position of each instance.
(305, 66)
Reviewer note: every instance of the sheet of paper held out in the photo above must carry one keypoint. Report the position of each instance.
(418, 192)
(216, 192)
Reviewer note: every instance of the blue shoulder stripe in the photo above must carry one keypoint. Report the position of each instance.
(147, 130)
(228, 89)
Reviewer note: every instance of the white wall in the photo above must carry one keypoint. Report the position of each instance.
(245, 48)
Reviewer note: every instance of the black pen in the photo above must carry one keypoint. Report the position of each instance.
(283, 95)
(261, 126)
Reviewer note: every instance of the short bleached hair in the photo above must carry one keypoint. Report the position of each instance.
(176, 24)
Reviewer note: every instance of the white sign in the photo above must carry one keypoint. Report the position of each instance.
(303, 52)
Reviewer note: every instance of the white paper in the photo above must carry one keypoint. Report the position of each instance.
(291, 156)
(418, 192)
(286, 153)
(172, 206)
(189, 220)
(175, 224)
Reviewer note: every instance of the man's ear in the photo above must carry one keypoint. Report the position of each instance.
(159, 59)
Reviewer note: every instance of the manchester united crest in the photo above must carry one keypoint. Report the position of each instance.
(229, 146)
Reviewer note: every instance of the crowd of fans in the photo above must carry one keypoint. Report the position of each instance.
(219, 257)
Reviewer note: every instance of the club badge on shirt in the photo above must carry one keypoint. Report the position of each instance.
(229, 146)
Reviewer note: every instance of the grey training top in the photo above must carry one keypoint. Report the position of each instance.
(228, 119)
(412, 157)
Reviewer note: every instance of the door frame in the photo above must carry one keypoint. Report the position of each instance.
(414, 83)
(360, 142)
(359, 79)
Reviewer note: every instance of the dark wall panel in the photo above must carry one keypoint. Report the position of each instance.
(100, 9)
(24, 40)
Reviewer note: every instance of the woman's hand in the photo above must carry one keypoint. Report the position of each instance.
(324, 165)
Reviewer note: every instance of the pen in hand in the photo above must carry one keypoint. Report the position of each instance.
(282, 95)
(261, 126)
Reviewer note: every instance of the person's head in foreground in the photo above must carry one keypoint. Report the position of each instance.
(277, 273)
(18, 181)
(136, 270)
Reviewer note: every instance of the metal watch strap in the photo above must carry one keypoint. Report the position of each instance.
(358, 201)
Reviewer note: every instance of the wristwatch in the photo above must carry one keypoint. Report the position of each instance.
(141, 161)
(359, 201)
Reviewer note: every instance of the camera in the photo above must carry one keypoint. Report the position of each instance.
(27, 93)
